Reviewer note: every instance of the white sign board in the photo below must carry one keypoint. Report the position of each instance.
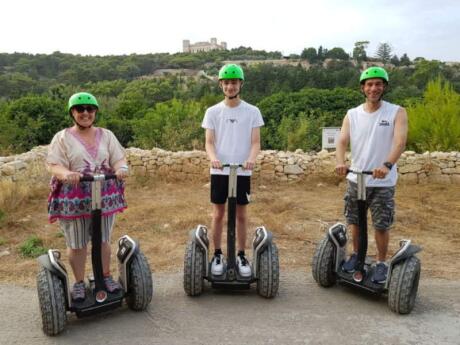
(330, 137)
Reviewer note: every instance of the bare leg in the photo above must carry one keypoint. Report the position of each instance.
(354, 229)
(77, 259)
(217, 224)
(241, 225)
(382, 238)
(105, 247)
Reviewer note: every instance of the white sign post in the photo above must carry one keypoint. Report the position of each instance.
(330, 137)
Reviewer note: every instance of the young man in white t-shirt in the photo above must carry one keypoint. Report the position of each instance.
(232, 136)
(377, 132)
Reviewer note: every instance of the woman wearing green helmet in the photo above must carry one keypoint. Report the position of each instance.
(232, 136)
(376, 132)
(85, 149)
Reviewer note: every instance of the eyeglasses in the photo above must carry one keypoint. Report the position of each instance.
(82, 108)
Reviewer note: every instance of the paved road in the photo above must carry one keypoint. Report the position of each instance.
(302, 313)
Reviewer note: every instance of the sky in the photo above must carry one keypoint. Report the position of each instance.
(420, 28)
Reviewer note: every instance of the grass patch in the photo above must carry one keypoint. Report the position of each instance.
(2, 241)
(32, 247)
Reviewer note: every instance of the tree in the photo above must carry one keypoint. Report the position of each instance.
(434, 124)
(359, 51)
(337, 53)
(395, 60)
(383, 52)
(309, 54)
(404, 61)
(160, 126)
(321, 53)
(32, 121)
(425, 71)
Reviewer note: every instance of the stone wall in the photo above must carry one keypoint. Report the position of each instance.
(434, 167)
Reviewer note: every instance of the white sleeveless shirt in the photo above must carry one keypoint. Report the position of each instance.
(371, 140)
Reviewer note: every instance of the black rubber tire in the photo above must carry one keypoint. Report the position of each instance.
(402, 290)
(322, 266)
(51, 299)
(194, 262)
(140, 286)
(269, 272)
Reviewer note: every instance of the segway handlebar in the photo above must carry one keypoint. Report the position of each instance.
(228, 165)
(97, 177)
(357, 171)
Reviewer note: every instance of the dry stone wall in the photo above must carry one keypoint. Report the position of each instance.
(429, 167)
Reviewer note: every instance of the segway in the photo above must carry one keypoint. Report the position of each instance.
(403, 268)
(53, 280)
(265, 266)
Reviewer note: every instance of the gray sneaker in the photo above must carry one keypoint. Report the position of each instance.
(111, 285)
(78, 292)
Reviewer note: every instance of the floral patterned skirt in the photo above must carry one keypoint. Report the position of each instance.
(67, 201)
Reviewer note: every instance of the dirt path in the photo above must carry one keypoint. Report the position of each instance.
(302, 313)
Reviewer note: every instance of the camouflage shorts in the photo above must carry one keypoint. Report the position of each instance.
(379, 199)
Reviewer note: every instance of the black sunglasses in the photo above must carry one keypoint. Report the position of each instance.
(82, 108)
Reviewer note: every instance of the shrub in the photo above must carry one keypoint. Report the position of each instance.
(434, 123)
(32, 247)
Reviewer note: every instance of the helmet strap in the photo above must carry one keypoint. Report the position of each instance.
(237, 94)
(233, 97)
(80, 127)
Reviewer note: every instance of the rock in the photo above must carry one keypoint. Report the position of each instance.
(409, 168)
(7, 170)
(293, 169)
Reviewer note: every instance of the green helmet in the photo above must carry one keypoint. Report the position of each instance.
(82, 98)
(231, 71)
(374, 72)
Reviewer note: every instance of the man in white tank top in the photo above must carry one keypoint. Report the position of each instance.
(376, 131)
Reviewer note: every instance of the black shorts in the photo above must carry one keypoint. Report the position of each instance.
(219, 189)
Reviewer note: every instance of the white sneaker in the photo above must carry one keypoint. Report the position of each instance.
(243, 266)
(217, 265)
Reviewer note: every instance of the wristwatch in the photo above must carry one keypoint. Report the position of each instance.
(389, 165)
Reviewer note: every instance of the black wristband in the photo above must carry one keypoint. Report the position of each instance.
(389, 165)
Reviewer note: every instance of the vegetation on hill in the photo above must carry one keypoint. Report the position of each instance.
(147, 109)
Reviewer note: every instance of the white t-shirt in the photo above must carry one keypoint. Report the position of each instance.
(232, 133)
(371, 140)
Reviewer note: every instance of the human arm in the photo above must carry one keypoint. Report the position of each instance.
(341, 149)
(121, 169)
(398, 145)
(255, 149)
(211, 149)
(63, 174)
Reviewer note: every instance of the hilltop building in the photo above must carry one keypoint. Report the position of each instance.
(188, 47)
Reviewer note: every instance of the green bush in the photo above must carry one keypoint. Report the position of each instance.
(2, 241)
(32, 247)
(172, 125)
(434, 123)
